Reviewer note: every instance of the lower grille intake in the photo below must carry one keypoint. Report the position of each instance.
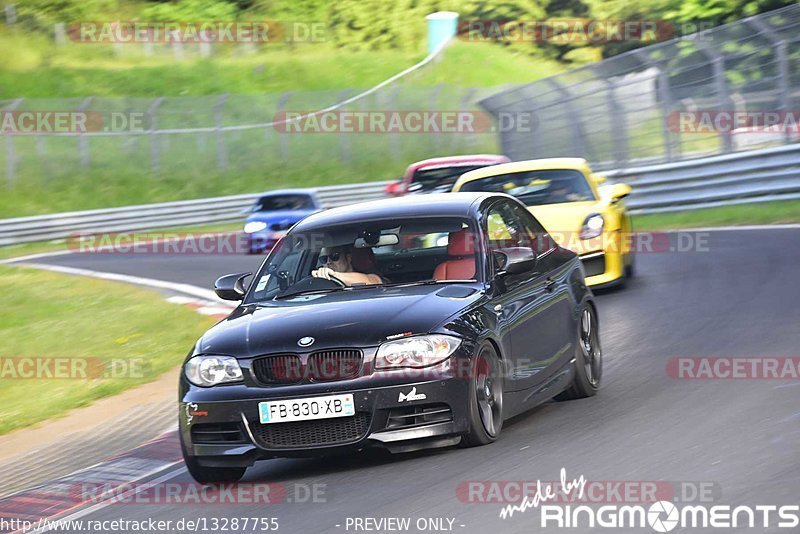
(594, 264)
(418, 415)
(218, 433)
(317, 433)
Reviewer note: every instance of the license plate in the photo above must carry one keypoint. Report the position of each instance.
(307, 409)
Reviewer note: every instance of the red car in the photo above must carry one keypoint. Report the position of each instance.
(438, 175)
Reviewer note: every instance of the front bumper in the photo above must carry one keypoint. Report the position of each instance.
(603, 258)
(603, 269)
(384, 418)
(258, 242)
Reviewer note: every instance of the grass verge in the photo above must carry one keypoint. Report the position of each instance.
(99, 325)
(778, 212)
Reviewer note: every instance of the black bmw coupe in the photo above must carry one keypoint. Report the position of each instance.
(470, 314)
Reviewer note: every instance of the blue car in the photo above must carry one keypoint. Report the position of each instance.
(274, 213)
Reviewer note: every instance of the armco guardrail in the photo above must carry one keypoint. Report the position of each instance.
(169, 214)
(754, 176)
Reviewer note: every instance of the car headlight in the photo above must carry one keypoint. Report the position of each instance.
(206, 371)
(592, 226)
(253, 227)
(416, 352)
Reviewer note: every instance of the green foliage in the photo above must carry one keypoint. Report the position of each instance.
(41, 15)
(190, 10)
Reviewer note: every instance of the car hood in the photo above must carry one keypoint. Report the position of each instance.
(358, 318)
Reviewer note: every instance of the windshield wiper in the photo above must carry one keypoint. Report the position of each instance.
(430, 283)
(308, 292)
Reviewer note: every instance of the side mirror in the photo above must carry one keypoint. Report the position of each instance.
(619, 191)
(231, 286)
(395, 188)
(517, 260)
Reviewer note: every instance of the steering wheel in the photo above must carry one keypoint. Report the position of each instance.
(312, 283)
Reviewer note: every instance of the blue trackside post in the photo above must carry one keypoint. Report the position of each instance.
(442, 26)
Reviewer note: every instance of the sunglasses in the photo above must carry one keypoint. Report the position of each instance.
(333, 256)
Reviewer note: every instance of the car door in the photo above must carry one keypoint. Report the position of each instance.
(529, 311)
(553, 270)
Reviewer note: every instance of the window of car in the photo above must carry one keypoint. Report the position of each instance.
(535, 188)
(400, 251)
(510, 226)
(438, 180)
(284, 202)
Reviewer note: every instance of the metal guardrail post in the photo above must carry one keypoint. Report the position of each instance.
(11, 14)
(344, 147)
(11, 154)
(434, 106)
(222, 155)
(83, 141)
(672, 143)
(283, 138)
(718, 67)
(575, 128)
(155, 157)
(619, 133)
(779, 45)
(466, 99)
(394, 137)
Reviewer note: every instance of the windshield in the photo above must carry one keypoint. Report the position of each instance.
(393, 252)
(535, 188)
(284, 202)
(439, 180)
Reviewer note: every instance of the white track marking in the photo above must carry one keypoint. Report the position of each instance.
(186, 289)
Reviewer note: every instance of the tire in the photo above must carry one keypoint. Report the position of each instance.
(208, 475)
(630, 269)
(485, 410)
(588, 358)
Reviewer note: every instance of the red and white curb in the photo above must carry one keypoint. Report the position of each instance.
(60, 496)
(203, 307)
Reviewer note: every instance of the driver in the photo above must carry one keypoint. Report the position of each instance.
(338, 264)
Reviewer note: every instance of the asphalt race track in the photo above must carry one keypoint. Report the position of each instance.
(738, 298)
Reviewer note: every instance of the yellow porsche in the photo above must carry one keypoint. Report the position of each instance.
(575, 206)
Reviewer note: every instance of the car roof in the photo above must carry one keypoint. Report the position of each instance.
(458, 160)
(281, 192)
(433, 205)
(578, 164)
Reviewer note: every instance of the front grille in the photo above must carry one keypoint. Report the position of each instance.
(282, 369)
(594, 265)
(321, 432)
(334, 365)
(411, 416)
(218, 433)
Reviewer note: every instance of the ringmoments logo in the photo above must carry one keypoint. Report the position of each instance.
(660, 516)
